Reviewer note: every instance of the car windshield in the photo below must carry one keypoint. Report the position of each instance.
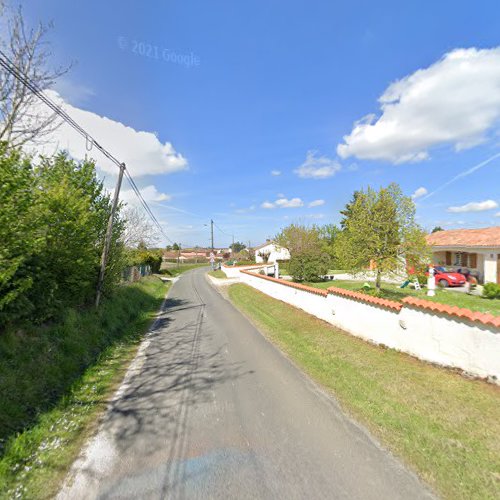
(441, 269)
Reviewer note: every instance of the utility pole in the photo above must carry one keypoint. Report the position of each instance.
(109, 234)
(212, 233)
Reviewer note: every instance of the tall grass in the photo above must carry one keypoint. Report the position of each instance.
(54, 373)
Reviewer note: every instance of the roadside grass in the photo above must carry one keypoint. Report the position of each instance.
(182, 268)
(55, 382)
(444, 426)
(447, 296)
(218, 274)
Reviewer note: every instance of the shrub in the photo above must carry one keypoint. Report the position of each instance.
(491, 291)
(53, 219)
(307, 266)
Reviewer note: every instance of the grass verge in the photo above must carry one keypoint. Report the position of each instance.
(182, 268)
(218, 274)
(445, 427)
(450, 297)
(56, 381)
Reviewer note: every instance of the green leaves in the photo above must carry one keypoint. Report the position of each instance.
(380, 230)
(52, 227)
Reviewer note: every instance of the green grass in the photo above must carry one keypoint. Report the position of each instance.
(218, 274)
(55, 381)
(450, 297)
(182, 268)
(442, 425)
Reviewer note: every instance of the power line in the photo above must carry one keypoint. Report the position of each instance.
(10, 67)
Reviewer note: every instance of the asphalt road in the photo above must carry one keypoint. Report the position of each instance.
(211, 409)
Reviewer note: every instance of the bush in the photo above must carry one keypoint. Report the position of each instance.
(307, 267)
(53, 220)
(491, 291)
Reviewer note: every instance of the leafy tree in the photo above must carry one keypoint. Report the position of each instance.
(347, 212)
(20, 235)
(237, 247)
(308, 258)
(176, 247)
(329, 234)
(436, 229)
(380, 229)
(53, 221)
(74, 211)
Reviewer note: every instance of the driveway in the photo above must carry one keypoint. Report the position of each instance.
(211, 409)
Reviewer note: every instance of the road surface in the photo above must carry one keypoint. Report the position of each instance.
(210, 409)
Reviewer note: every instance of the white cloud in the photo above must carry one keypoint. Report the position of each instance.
(283, 203)
(268, 204)
(73, 92)
(141, 151)
(275, 172)
(316, 203)
(454, 101)
(497, 214)
(421, 191)
(315, 167)
(479, 206)
(149, 193)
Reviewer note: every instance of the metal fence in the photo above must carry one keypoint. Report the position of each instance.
(135, 273)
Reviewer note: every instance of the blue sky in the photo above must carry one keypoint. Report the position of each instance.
(269, 87)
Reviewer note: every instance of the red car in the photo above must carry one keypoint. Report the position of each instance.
(447, 278)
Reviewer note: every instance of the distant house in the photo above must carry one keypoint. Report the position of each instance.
(475, 249)
(272, 251)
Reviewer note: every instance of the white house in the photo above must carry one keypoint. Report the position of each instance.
(475, 249)
(273, 251)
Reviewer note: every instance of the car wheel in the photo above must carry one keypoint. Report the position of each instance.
(444, 283)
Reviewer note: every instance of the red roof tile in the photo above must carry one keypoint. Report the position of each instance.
(486, 319)
(391, 304)
(485, 237)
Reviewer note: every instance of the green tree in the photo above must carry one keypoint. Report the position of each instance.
(237, 247)
(329, 234)
(176, 247)
(74, 210)
(380, 228)
(20, 233)
(308, 258)
(436, 229)
(52, 226)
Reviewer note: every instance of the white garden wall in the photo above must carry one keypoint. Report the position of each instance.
(448, 336)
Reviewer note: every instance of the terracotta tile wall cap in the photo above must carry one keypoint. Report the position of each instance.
(363, 297)
(298, 286)
(459, 312)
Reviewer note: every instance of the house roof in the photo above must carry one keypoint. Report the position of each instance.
(266, 244)
(484, 237)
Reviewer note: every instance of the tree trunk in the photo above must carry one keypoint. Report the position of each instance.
(378, 280)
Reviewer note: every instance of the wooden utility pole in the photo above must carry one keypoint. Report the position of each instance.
(212, 233)
(109, 234)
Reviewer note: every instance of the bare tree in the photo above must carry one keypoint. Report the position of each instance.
(22, 117)
(138, 229)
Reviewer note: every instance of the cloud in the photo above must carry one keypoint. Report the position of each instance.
(73, 92)
(315, 167)
(316, 203)
(473, 206)
(421, 191)
(283, 203)
(275, 172)
(149, 193)
(497, 214)
(141, 151)
(454, 101)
